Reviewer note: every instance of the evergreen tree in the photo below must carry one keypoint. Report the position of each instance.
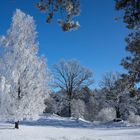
(131, 12)
(132, 62)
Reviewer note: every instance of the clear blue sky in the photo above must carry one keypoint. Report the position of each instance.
(98, 44)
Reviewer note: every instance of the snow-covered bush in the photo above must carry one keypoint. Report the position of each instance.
(78, 108)
(134, 118)
(106, 114)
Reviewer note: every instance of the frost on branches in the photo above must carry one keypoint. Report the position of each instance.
(68, 10)
(24, 76)
(117, 95)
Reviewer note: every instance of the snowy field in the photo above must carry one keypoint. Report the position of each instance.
(55, 128)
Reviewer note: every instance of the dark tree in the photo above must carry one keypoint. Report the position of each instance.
(17, 125)
(131, 12)
(131, 63)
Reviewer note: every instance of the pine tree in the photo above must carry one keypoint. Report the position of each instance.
(131, 12)
(131, 63)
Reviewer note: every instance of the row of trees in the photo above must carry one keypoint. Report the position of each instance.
(112, 100)
(120, 91)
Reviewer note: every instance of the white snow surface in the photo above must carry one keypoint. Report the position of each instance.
(58, 128)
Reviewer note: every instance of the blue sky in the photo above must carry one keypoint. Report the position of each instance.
(98, 44)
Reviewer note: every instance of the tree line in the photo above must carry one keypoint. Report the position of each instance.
(120, 91)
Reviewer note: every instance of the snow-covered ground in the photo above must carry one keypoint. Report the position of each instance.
(57, 128)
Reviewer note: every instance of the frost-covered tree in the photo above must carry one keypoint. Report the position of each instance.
(117, 95)
(71, 77)
(25, 73)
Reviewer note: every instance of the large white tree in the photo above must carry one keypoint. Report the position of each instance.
(24, 74)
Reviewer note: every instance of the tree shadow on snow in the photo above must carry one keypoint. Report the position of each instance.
(59, 123)
(73, 123)
(6, 127)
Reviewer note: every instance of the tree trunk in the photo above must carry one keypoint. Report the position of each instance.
(69, 107)
(17, 125)
(118, 115)
(69, 110)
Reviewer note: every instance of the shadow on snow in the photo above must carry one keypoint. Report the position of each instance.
(73, 123)
(58, 123)
(6, 127)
